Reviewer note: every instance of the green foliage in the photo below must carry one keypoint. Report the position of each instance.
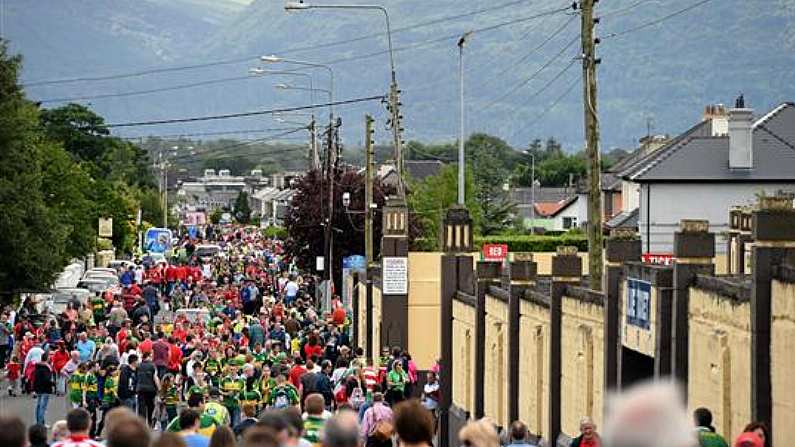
(215, 216)
(274, 231)
(242, 208)
(32, 235)
(429, 200)
(534, 243)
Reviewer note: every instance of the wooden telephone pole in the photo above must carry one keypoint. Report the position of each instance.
(589, 63)
(368, 190)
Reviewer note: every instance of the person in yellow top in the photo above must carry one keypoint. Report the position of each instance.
(75, 384)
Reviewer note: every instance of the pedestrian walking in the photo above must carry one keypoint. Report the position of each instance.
(44, 386)
(146, 388)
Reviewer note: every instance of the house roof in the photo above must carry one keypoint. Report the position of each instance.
(521, 196)
(698, 156)
(420, 169)
(624, 219)
(610, 181)
(546, 209)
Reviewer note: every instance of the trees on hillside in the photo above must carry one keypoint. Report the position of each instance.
(60, 171)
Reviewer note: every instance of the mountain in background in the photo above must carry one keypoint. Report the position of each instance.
(660, 75)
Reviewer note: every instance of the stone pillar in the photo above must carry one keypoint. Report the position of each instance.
(744, 239)
(456, 243)
(394, 307)
(488, 273)
(774, 233)
(622, 246)
(731, 239)
(694, 248)
(521, 275)
(566, 270)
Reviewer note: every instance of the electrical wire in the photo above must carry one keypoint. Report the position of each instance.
(554, 103)
(243, 114)
(145, 92)
(622, 11)
(532, 76)
(203, 134)
(253, 57)
(237, 145)
(656, 21)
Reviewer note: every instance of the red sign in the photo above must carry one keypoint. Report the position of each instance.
(495, 252)
(658, 258)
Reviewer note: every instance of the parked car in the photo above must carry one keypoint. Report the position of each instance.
(111, 278)
(205, 252)
(124, 264)
(62, 297)
(94, 285)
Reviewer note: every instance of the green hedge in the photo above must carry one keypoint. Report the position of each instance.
(533, 243)
(273, 231)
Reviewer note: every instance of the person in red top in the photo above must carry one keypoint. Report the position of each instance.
(278, 310)
(182, 273)
(313, 347)
(297, 371)
(195, 272)
(338, 316)
(145, 346)
(174, 356)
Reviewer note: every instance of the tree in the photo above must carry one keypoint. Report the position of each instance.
(242, 208)
(215, 216)
(32, 236)
(488, 158)
(306, 217)
(428, 201)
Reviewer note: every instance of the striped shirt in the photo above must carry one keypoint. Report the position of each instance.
(78, 441)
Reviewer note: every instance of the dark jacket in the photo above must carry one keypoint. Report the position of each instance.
(127, 382)
(43, 380)
(324, 387)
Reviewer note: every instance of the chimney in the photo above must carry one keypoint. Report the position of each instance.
(719, 119)
(741, 149)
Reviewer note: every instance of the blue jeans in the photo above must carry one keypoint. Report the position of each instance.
(130, 403)
(41, 408)
(234, 415)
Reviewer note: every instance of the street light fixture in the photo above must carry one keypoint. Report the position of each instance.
(273, 59)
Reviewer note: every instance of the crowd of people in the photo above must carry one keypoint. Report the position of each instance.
(226, 336)
(233, 348)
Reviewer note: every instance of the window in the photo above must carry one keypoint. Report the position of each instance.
(569, 222)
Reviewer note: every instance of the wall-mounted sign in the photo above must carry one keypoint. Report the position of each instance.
(638, 303)
(320, 263)
(395, 276)
(105, 227)
(495, 252)
(658, 258)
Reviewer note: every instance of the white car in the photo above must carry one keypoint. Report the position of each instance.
(121, 263)
(207, 251)
(110, 278)
(62, 297)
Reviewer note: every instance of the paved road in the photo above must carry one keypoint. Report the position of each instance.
(25, 407)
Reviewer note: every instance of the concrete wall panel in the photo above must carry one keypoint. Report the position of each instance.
(463, 355)
(719, 375)
(582, 368)
(534, 367)
(496, 370)
(423, 307)
(783, 361)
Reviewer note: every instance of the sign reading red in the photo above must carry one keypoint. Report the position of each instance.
(658, 258)
(495, 252)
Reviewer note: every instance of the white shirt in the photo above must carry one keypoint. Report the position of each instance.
(291, 289)
(34, 355)
(71, 442)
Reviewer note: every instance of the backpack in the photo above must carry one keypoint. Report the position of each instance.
(356, 399)
(382, 429)
(282, 399)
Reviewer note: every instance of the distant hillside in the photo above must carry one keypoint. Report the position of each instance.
(665, 72)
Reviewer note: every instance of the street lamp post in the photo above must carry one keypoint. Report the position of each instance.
(394, 93)
(273, 59)
(461, 167)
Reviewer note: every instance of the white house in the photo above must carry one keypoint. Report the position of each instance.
(727, 159)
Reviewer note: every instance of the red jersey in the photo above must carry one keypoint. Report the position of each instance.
(145, 346)
(313, 350)
(12, 370)
(295, 375)
(182, 273)
(59, 359)
(171, 273)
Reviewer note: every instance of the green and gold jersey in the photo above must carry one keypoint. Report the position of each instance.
(260, 357)
(252, 397)
(212, 366)
(217, 412)
(91, 386)
(109, 388)
(313, 427)
(266, 385)
(207, 425)
(75, 386)
(200, 390)
(231, 388)
(171, 396)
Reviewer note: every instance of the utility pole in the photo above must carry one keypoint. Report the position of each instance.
(330, 206)
(589, 63)
(461, 163)
(368, 188)
(397, 138)
(314, 162)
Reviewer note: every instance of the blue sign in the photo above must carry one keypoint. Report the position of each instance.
(192, 230)
(354, 262)
(157, 240)
(638, 303)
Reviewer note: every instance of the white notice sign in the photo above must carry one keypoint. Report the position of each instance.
(395, 276)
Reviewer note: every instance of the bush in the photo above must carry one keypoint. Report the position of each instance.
(274, 231)
(534, 243)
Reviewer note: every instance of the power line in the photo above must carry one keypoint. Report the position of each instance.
(437, 40)
(549, 109)
(621, 11)
(144, 92)
(251, 57)
(243, 114)
(533, 76)
(656, 21)
(203, 134)
(209, 151)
